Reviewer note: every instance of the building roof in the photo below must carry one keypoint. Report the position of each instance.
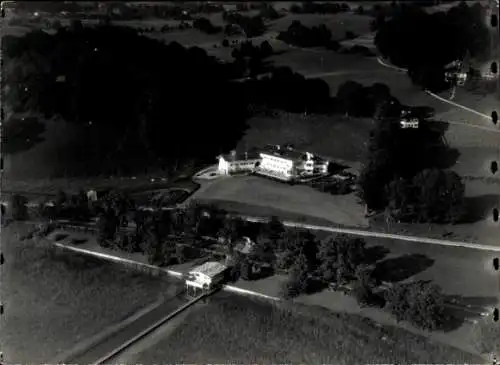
(209, 269)
(251, 154)
(282, 152)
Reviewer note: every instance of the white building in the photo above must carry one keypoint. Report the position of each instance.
(238, 162)
(287, 164)
(205, 277)
(409, 123)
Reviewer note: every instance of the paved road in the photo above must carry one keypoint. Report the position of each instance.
(113, 341)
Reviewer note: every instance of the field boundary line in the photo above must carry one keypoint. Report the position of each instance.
(364, 233)
(400, 69)
(89, 342)
(457, 105)
(380, 61)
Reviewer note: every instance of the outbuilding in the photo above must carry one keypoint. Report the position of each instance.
(205, 277)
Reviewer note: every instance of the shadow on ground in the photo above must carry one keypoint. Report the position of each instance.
(21, 134)
(469, 309)
(374, 254)
(402, 267)
(480, 207)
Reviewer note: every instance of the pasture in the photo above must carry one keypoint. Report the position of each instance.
(262, 332)
(56, 299)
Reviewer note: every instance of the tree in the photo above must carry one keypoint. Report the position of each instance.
(439, 195)
(420, 303)
(275, 230)
(365, 283)
(339, 256)
(245, 269)
(61, 198)
(231, 229)
(349, 97)
(266, 49)
(106, 227)
(56, 24)
(19, 207)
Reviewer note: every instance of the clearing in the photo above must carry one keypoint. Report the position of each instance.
(56, 299)
(260, 332)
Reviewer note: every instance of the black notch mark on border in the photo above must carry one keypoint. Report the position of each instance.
(495, 314)
(494, 68)
(494, 117)
(494, 20)
(2, 260)
(495, 214)
(494, 167)
(496, 263)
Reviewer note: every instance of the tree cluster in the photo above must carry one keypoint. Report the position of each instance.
(404, 175)
(205, 25)
(252, 26)
(354, 99)
(419, 303)
(290, 91)
(302, 36)
(426, 50)
(248, 50)
(79, 74)
(310, 7)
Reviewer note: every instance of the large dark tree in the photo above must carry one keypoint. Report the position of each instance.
(131, 97)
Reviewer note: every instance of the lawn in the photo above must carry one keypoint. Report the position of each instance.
(260, 332)
(300, 200)
(54, 300)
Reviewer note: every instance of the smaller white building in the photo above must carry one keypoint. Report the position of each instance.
(238, 162)
(205, 277)
(409, 123)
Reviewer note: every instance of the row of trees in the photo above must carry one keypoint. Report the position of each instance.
(248, 50)
(425, 51)
(310, 7)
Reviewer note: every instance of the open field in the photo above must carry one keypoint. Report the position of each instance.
(259, 332)
(55, 299)
(298, 199)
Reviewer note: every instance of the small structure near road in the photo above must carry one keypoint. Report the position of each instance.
(205, 277)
